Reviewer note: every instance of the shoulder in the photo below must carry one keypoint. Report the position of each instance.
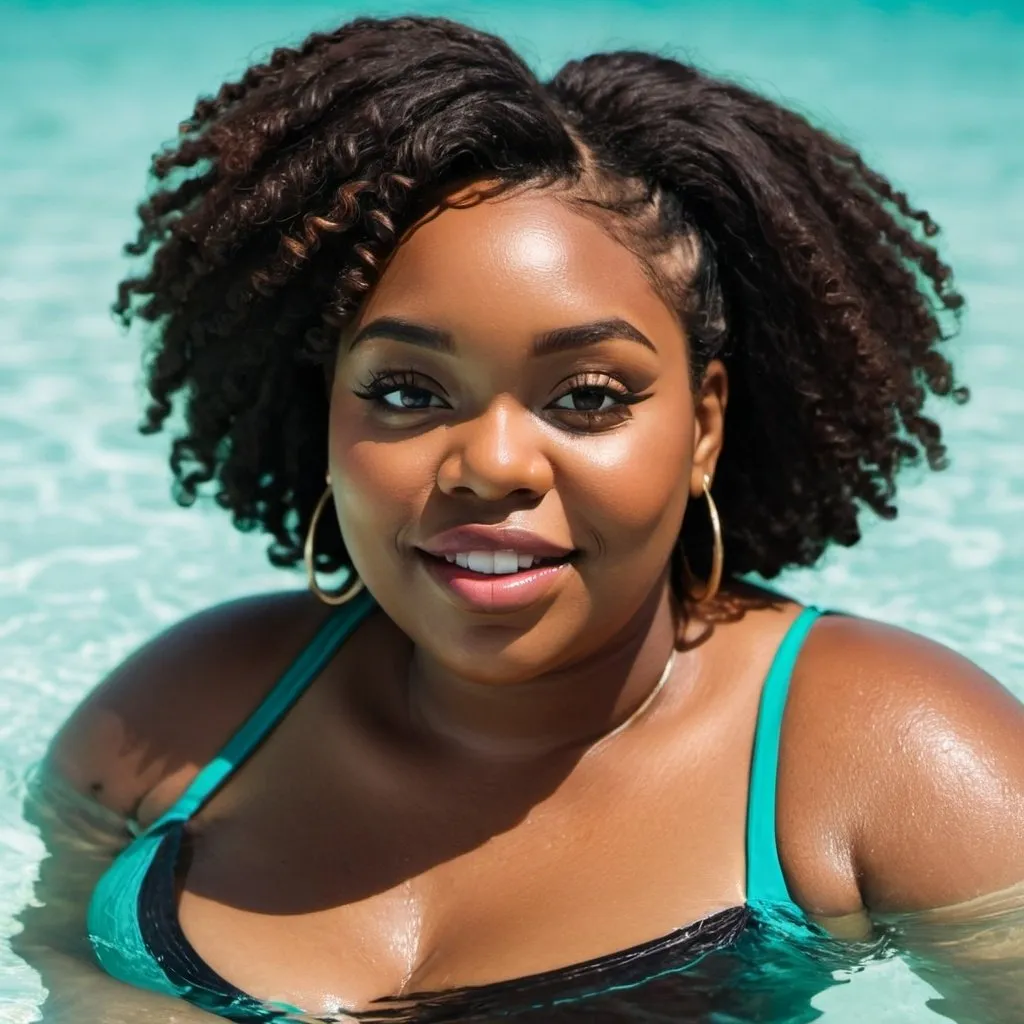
(911, 760)
(169, 707)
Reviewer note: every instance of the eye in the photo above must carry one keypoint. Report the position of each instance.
(594, 401)
(410, 398)
(588, 399)
(401, 391)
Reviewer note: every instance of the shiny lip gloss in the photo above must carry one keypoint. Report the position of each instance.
(497, 592)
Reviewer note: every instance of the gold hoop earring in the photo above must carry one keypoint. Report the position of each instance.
(341, 596)
(706, 593)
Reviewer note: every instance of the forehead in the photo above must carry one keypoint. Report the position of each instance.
(510, 256)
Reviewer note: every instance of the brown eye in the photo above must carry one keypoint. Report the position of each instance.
(587, 399)
(594, 402)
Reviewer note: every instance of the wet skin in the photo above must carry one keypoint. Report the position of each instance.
(428, 815)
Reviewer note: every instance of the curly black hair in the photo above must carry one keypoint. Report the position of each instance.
(784, 254)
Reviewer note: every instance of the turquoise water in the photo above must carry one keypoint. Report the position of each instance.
(93, 555)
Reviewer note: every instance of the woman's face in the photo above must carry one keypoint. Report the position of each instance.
(515, 395)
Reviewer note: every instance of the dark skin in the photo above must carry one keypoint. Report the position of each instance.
(365, 849)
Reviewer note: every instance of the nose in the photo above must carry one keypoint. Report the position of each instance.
(496, 455)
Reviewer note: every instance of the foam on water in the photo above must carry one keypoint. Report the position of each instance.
(94, 558)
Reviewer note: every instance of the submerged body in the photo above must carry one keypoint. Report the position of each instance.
(370, 889)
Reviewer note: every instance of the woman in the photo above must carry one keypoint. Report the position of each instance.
(546, 367)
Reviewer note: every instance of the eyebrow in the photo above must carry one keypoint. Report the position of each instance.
(560, 339)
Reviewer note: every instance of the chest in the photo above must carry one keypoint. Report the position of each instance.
(317, 886)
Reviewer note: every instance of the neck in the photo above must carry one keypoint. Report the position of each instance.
(571, 706)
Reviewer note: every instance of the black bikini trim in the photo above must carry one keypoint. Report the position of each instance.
(671, 954)
(169, 946)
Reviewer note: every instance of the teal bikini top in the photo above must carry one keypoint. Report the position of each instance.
(132, 916)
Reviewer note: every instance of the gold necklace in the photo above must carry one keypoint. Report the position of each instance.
(643, 706)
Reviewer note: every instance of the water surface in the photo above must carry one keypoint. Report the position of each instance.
(94, 557)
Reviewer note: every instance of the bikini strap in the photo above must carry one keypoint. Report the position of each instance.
(765, 881)
(293, 683)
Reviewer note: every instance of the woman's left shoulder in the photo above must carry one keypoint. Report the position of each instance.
(922, 750)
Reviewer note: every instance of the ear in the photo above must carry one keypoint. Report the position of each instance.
(709, 424)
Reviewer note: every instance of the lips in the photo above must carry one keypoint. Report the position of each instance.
(495, 570)
(497, 593)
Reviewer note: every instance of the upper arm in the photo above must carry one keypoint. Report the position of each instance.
(136, 740)
(922, 754)
(167, 709)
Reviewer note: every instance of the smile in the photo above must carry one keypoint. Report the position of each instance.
(495, 581)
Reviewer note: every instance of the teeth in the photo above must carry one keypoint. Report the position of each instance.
(492, 563)
(481, 561)
(505, 562)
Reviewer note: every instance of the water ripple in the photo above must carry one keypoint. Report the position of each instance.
(93, 556)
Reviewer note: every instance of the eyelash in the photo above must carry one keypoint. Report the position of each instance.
(385, 382)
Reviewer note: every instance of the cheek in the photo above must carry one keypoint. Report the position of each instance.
(380, 486)
(377, 484)
(632, 485)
